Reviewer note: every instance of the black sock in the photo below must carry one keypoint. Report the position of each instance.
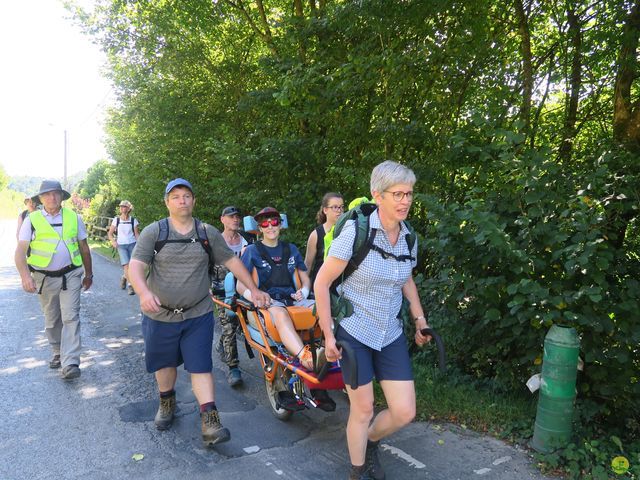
(168, 394)
(359, 468)
(205, 407)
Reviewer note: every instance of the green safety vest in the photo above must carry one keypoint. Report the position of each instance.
(43, 246)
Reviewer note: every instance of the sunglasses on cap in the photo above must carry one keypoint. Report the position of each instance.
(274, 222)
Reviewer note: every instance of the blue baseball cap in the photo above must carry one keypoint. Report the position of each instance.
(178, 182)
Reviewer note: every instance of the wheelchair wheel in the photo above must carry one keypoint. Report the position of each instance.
(272, 390)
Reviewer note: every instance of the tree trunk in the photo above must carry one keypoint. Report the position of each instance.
(575, 81)
(527, 68)
(626, 116)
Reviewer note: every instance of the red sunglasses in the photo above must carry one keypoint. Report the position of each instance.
(274, 222)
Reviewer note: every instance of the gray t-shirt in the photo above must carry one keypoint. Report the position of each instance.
(178, 274)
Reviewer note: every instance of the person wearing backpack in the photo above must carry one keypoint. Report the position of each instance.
(177, 311)
(331, 208)
(374, 290)
(126, 232)
(229, 325)
(32, 205)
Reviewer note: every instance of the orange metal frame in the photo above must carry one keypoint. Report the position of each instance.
(265, 351)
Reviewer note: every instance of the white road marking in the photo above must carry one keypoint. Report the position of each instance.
(252, 449)
(403, 455)
(482, 471)
(502, 460)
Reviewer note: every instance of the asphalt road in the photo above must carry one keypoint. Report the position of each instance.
(91, 428)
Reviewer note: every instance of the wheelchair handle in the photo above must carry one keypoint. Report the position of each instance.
(442, 358)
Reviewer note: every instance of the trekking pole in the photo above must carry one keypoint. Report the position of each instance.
(442, 358)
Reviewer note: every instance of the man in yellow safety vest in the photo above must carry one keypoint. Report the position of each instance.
(52, 245)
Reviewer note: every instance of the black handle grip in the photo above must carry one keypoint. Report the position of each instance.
(442, 356)
(353, 371)
(323, 371)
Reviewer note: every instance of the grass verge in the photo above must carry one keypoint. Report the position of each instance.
(103, 247)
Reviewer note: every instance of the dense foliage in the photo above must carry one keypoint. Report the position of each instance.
(520, 118)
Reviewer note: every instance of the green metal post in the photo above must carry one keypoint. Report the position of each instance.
(552, 428)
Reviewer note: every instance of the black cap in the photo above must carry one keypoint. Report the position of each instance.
(231, 210)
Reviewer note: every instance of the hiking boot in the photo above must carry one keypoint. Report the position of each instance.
(131, 291)
(359, 473)
(212, 430)
(372, 461)
(234, 377)
(123, 282)
(70, 372)
(166, 409)
(323, 400)
(55, 361)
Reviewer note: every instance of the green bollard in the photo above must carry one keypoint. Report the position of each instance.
(552, 428)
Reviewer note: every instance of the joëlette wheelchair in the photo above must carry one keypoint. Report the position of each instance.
(290, 387)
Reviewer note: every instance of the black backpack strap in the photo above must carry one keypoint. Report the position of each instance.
(117, 224)
(163, 234)
(264, 254)
(320, 233)
(201, 232)
(358, 257)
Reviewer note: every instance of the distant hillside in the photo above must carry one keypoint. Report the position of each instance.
(24, 184)
(29, 185)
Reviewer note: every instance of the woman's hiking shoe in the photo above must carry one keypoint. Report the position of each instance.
(131, 291)
(70, 372)
(234, 377)
(166, 409)
(212, 430)
(123, 282)
(372, 461)
(359, 473)
(55, 361)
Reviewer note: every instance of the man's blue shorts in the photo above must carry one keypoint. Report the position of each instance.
(125, 251)
(172, 344)
(390, 363)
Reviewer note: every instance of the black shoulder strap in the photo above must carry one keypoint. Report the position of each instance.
(263, 253)
(117, 224)
(320, 233)
(358, 257)
(286, 253)
(163, 234)
(201, 232)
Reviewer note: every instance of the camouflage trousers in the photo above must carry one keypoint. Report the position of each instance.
(228, 344)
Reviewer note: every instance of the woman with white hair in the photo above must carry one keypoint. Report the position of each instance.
(126, 232)
(374, 331)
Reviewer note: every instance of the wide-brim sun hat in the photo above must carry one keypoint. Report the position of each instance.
(52, 186)
(266, 212)
(126, 203)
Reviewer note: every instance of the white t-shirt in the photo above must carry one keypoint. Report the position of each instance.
(237, 248)
(124, 231)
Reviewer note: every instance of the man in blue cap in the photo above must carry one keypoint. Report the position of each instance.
(52, 246)
(177, 320)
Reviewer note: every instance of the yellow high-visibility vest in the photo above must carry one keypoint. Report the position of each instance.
(43, 246)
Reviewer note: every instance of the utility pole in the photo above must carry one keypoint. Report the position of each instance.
(65, 159)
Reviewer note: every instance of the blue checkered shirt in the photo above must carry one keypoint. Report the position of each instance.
(375, 288)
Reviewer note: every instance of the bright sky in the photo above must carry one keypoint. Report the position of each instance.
(51, 82)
